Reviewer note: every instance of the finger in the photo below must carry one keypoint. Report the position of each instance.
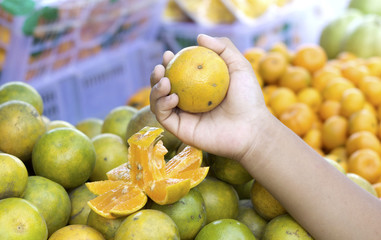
(167, 56)
(227, 51)
(161, 89)
(157, 73)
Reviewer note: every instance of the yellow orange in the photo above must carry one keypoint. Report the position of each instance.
(323, 76)
(311, 97)
(335, 88)
(329, 108)
(371, 87)
(362, 120)
(272, 66)
(310, 57)
(253, 55)
(296, 78)
(281, 99)
(354, 72)
(313, 138)
(374, 66)
(298, 117)
(351, 101)
(366, 163)
(334, 132)
(362, 140)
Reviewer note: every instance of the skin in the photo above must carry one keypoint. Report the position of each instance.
(323, 200)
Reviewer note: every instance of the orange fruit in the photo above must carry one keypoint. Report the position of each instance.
(91, 127)
(346, 56)
(361, 140)
(117, 120)
(369, 107)
(225, 229)
(335, 88)
(14, 176)
(267, 91)
(371, 87)
(337, 162)
(77, 232)
(21, 91)
(221, 200)
(329, 108)
(340, 152)
(362, 182)
(148, 224)
(253, 55)
(313, 138)
(310, 57)
(282, 48)
(243, 190)
(199, 77)
(20, 140)
(51, 199)
(296, 78)
(21, 220)
(334, 132)
(57, 124)
(188, 213)
(79, 197)
(374, 65)
(110, 151)
(298, 117)
(362, 120)
(248, 216)
(264, 203)
(229, 170)
(140, 98)
(311, 97)
(64, 155)
(351, 101)
(366, 163)
(282, 227)
(281, 99)
(354, 72)
(107, 227)
(321, 77)
(272, 66)
(147, 174)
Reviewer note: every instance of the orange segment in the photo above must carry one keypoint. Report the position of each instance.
(196, 176)
(100, 187)
(119, 173)
(167, 191)
(188, 158)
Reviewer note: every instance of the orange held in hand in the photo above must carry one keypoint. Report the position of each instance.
(199, 77)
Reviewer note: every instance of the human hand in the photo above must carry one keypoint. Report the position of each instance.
(232, 128)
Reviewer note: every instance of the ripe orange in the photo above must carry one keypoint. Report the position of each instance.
(323, 76)
(310, 57)
(77, 232)
(362, 182)
(148, 224)
(267, 91)
(296, 78)
(264, 203)
(110, 152)
(14, 176)
(253, 55)
(329, 108)
(19, 141)
(362, 140)
(346, 56)
(337, 162)
(298, 117)
(354, 72)
(284, 226)
(21, 91)
(107, 227)
(199, 77)
(272, 66)
(281, 99)
(362, 120)
(282, 48)
(140, 98)
(313, 138)
(366, 163)
(371, 87)
(51, 199)
(334, 132)
(351, 101)
(221, 199)
(311, 97)
(335, 88)
(64, 155)
(91, 127)
(225, 229)
(374, 65)
(21, 220)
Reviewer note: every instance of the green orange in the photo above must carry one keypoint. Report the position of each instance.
(90, 126)
(225, 229)
(79, 197)
(107, 227)
(14, 176)
(77, 232)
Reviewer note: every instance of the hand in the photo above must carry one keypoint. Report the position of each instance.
(232, 128)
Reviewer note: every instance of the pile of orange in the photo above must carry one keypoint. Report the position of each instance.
(334, 105)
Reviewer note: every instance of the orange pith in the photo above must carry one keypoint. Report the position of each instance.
(147, 174)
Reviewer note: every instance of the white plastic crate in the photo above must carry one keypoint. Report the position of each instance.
(277, 25)
(82, 29)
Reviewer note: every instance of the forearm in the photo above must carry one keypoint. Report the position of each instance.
(323, 200)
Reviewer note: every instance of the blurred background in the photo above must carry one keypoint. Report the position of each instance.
(86, 57)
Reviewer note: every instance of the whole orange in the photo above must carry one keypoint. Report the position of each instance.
(366, 163)
(311, 57)
(199, 77)
(272, 66)
(298, 117)
(14, 176)
(334, 132)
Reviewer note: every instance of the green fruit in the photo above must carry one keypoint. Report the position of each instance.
(225, 229)
(188, 213)
(366, 6)
(107, 227)
(248, 216)
(79, 208)
(362, 182)
(286, 228)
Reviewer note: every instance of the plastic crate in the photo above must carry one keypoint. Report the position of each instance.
(81, 30)
(275, 26)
